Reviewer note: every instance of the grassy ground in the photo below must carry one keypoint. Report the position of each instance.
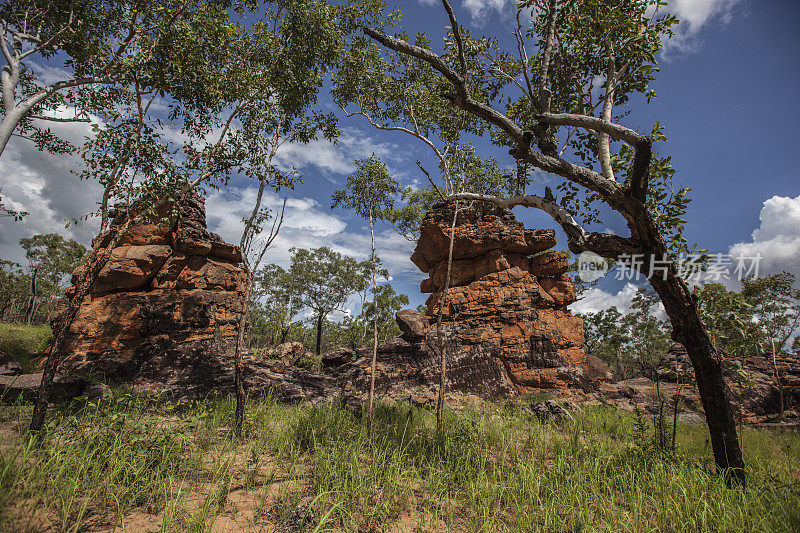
(139, 465)
(23, 342)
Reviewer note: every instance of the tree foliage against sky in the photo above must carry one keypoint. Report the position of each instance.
(324, 280)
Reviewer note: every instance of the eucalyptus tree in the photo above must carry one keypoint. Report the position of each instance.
(325, 280)
(728, 318)
(556, 107)
(387, 302)
(370, 193)
(147, 157)
(399, 94)
(276, 295)
(50, 257)
(608, 338)
(66, 60)
(282, 63)
(775, 303)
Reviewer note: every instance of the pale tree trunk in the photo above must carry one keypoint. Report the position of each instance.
(374, 363)
(603, 139)
(7, 130)
(238, 382)
(777, 380)
(32, 303)
(442, 353)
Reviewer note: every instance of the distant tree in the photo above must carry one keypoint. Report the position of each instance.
(277, 299)
(728, 318)
(370, 193)
(51, 258)
(55, 256)
(360, 339)
(776, 305)
(13, 289)
(296, 37)
(324, 280)
(388, 303)
(608, 338)
(650, 336)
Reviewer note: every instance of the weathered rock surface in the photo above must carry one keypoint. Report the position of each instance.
(506, 329)
(9, 365)
(413, 324)
(27, 386)
(751, 379)
(162, 316)
(507, 310)
(164, 308)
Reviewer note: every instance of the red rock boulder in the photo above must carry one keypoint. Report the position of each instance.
(163, 311)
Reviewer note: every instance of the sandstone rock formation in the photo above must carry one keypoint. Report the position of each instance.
(163, 311)
(503, 304)
(505, 327)
(27, 387)
(9, 366)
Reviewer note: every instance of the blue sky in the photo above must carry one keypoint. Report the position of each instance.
(728, 91)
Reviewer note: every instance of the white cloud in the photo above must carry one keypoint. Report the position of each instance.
(307, 224)
(777, 239)
(693, 15)
(596, 299)
(44, 185)
(479, 10)
(336, 158)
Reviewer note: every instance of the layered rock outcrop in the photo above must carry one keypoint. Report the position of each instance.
(507, 300)
(164, 309)
(506, 328)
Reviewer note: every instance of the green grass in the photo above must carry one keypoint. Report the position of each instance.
(24, 343)
(144, 464)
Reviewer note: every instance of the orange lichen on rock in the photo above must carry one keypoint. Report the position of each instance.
(164, 308)
(507, 299)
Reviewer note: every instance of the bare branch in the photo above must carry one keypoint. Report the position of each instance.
(523, 55)
(595, 124)
(273, 233)
(457, 34)
(431, 180)
(583, 176)
(56, 119)
(544, 92)
(414, 133)
(461, 98)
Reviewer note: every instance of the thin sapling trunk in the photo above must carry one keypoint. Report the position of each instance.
(374, 363)
(440, 338)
